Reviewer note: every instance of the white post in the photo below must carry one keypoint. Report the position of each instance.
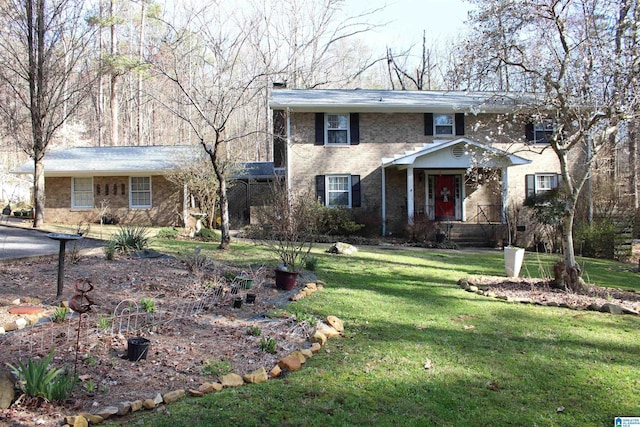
(384, 203)
(505, 194)
(410, 196)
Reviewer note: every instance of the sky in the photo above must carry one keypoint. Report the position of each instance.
(441, 19)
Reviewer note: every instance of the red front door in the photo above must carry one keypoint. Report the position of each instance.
(445, 197)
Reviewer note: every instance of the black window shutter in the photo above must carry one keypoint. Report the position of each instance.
(320, 189)
(319, 129)
(428, 123)
(355, 191)
(459, 121)
(530, 185)
(528, 132)
(354, 128)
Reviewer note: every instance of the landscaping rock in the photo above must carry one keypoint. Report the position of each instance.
(629, 310)
(318, 338)
(290, 363)
(342, 249)
(471, 288)
(300, 356)
(307, 353)
(316, 347)
(92, 418)
(21, 323)
(136, 405)
(210, 387)
(336, 323)
(148, 404)
(196, 393)
(328, 331)
(124, 408)
(77, 421)
(26, 309)
(231, 380)
(275, 372)
(158, 399)
(172, 396)
(7, 392)
(107, 412)
(257, 376)
(611, 308)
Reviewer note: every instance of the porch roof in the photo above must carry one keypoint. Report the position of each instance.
(458, 153)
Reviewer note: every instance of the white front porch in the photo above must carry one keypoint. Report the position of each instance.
(447, 181)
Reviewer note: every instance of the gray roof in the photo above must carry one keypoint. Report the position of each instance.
(257, 170)
(155, 159)
(359, 100)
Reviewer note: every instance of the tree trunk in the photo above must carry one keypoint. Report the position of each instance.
(571, 279)
(225, 238)
(38, 192)
(113, 96)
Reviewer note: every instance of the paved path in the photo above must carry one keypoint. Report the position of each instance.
(19, 242)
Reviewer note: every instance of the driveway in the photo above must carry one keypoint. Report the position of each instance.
(19, 242)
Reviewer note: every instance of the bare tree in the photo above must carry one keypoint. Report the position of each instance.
(43, 44)
(577, 61)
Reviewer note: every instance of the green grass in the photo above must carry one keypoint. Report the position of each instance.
(492, 363)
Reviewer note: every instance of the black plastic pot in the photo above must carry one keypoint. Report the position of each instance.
(250, 298)
(237, 302)
(137, 348)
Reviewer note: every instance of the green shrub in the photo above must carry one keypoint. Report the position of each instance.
(207, 235)
(597, 240)
(168, 233)
(305, 317)
(311, 263)
(337, 221)
(131, 238)
(38, 379)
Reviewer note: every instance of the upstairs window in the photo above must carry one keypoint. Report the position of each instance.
(337, 129)
(140, 193)
(82, 193)
(540, 133)
(334, 129)
(443, 124)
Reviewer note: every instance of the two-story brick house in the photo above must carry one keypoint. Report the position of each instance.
(395, 156)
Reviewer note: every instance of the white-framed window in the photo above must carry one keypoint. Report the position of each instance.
(443, 124)
(338, 191)
(140, 192)
(337, 129)
(82, 193)
(541, 183)
(546, 182)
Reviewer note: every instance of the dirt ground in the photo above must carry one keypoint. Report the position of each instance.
(194, 323)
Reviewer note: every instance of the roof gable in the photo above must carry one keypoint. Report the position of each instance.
(458, 153)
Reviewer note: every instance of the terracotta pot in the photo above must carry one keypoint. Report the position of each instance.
(286, 280)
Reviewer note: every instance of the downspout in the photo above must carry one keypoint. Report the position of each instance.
(505, 194)
(384, 203)
(185, 205)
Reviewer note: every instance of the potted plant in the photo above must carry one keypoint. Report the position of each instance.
(288, 227)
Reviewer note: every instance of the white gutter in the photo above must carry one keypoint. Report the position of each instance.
(288, 164)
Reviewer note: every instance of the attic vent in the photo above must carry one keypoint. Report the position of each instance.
(457, 151)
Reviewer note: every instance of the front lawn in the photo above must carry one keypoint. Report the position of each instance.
(419, 351)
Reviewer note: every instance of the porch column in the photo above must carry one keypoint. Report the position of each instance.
(505, 194)
(384, 203)
(410, 196)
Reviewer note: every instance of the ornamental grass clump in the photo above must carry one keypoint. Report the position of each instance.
(37, 378)
(130, 238)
